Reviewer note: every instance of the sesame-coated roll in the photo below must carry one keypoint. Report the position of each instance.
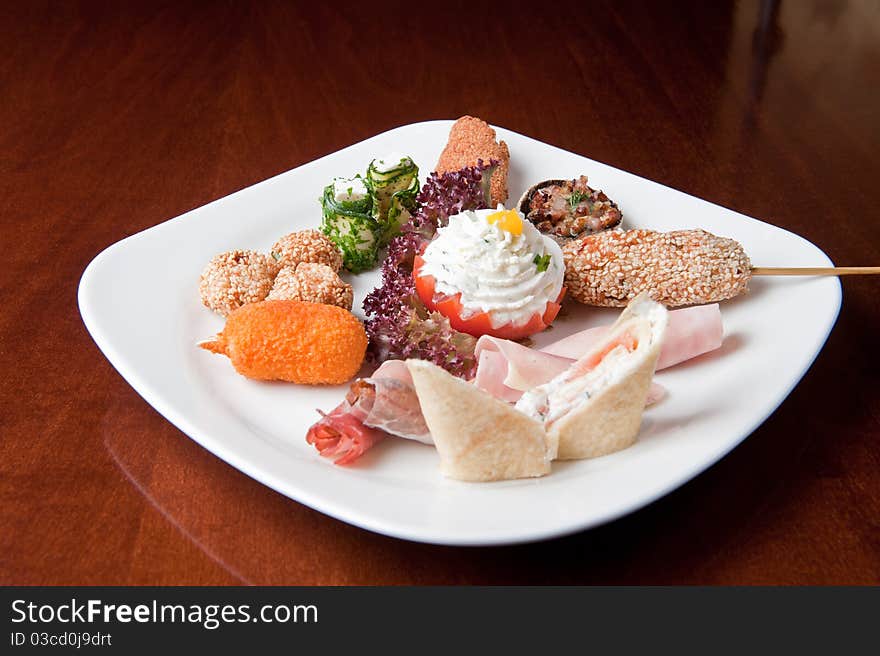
(312, 282)
(683, 267)
(307, 246)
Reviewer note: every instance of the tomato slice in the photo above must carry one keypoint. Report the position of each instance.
(480, 323)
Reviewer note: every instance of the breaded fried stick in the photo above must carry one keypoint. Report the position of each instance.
(471, 139)
(683, 267)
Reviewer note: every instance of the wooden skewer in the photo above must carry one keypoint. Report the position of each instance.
(814, 271)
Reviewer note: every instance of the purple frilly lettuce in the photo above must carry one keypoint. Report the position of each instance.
(398, 323)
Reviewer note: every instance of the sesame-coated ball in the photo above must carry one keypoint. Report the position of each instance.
(235, 278)
(307, 246)
(314, 283)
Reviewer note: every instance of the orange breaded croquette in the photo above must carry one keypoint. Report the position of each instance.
(472, 139)
(294, 341)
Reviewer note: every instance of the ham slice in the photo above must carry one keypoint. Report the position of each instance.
(395, 369)
(692, 331)
(656, 393)
(492, 369)
(505, 369)
(512, 368)
(396, 410)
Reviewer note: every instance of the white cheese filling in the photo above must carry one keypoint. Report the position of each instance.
(553, 400)
(391, 162)
(347, 190)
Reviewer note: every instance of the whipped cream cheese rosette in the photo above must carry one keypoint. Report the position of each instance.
(490, 272)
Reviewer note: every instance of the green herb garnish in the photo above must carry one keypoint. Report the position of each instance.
(576, 198)
(542, 262)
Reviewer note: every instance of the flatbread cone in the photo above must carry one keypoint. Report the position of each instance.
(610, 418)
(478, 437)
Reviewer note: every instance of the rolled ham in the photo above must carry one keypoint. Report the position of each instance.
(383, 404)
(341, 434)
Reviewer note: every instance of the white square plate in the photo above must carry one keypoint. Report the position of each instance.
(139, 300)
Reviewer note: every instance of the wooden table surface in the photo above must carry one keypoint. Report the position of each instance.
(117, 116)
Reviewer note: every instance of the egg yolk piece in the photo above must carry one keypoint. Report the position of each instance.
(508, 220)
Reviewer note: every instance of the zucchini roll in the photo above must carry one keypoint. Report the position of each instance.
(349, 223)
(393, 183)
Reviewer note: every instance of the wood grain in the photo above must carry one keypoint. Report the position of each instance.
(117, 116)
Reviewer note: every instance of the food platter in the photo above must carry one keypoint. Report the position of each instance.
(139, 301)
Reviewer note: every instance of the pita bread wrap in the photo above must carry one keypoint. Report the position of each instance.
(595, 406)
(478, 437)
